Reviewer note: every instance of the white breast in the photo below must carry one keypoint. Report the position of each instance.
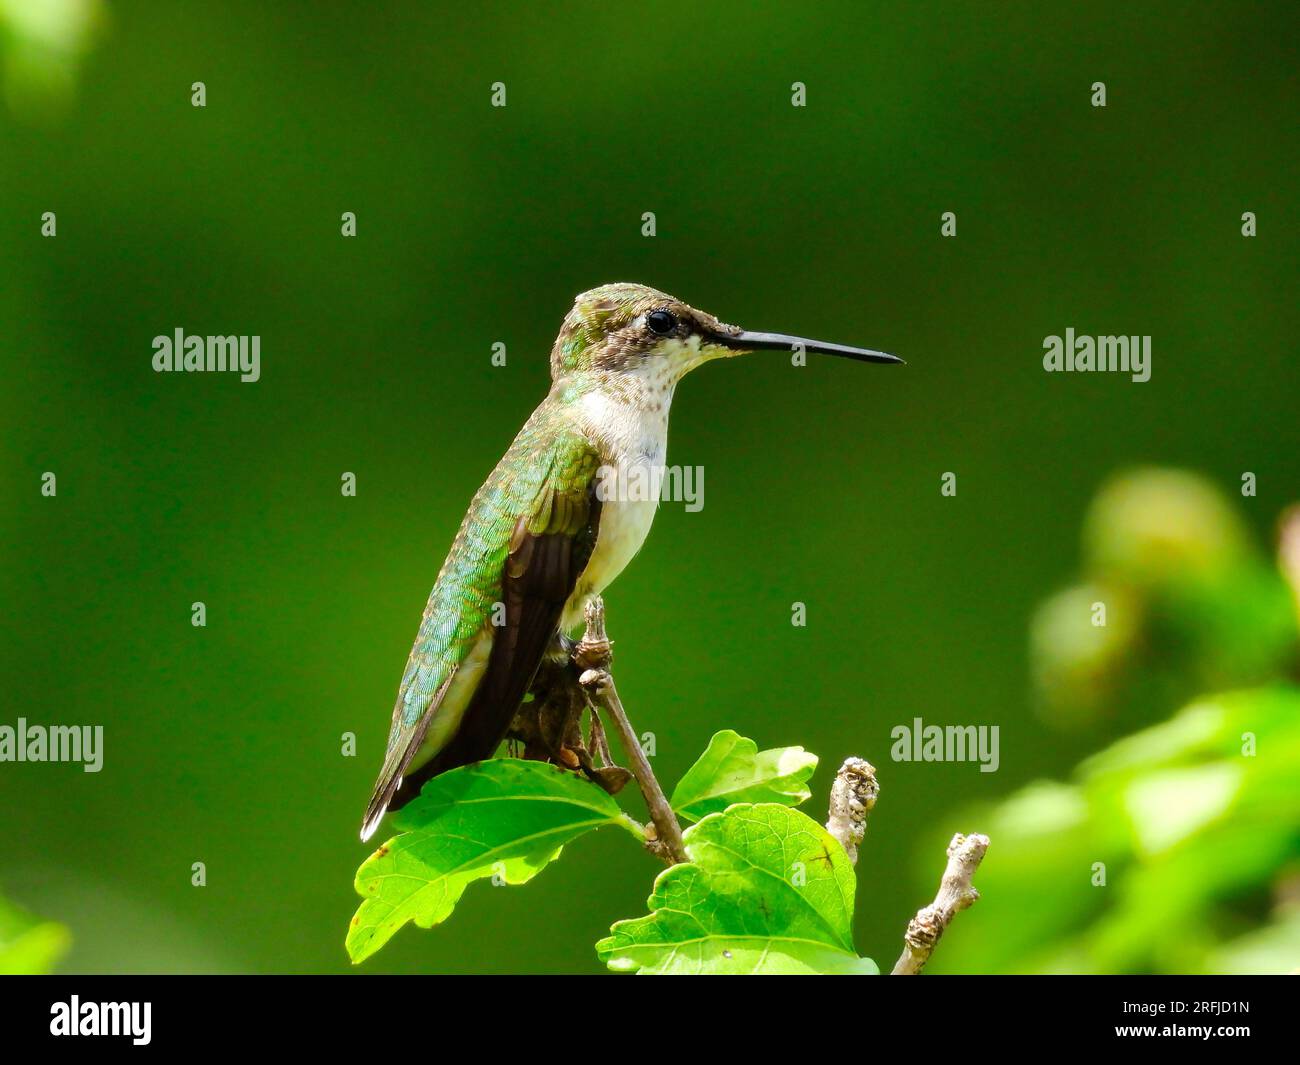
(637, 440)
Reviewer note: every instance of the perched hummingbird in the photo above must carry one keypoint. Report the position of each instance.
(540, 540)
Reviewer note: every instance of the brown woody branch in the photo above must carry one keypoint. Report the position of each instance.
(592, 656)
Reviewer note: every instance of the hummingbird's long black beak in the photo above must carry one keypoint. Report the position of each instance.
(744, 340)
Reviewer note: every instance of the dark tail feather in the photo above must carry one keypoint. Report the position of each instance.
(408, 787)
(517, 651)
(485, 724)
(395, 762)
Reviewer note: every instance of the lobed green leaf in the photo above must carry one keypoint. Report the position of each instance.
(733, 770)
(767, 890)
(503, 818)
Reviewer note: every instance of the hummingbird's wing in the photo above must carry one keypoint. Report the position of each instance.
(523, 545)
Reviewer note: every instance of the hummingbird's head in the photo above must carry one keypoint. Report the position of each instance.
(633, 329)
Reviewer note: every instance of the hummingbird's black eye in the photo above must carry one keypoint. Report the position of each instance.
(661, 323)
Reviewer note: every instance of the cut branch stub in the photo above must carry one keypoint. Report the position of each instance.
(594, 650)
(852, 796)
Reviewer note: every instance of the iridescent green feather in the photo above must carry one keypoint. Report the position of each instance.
(547, 458)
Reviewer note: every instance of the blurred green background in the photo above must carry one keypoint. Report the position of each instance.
(478, 225)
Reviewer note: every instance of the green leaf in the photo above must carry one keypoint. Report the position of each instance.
(28, 945)
(767, 890)
(734, 770)
(502, 818)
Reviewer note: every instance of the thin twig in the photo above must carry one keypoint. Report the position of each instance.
(955, 893)
(599, 742)
(592, 655)
(852, 796)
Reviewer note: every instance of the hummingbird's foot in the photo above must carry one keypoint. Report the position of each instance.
(550, 724)
(597, 740)
(602, 772)
(612, 778)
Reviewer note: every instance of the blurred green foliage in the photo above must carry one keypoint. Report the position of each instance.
(27, 944)
(42, 43)
(1190, 603)
(1176, 849)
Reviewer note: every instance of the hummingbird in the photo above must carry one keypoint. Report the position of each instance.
(550, 528)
